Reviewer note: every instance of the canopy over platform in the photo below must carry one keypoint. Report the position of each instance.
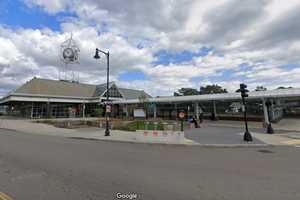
(279, 93)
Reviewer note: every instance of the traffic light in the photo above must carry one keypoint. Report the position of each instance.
(243, 90)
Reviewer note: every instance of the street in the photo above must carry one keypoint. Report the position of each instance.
(217, 135)
(39, 167)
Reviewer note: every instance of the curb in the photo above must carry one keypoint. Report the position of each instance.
(8, 129)
(178, 144)
(189, 143)
(236, 126)
(293, 137)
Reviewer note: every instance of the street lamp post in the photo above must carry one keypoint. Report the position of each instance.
(97, 56)
(243, 90)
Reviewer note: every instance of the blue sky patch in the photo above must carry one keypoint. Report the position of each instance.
(131, 76)
(290, 66)
(164, 57)
(245, 67)
(15, 13)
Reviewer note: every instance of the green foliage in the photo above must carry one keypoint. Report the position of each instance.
(144, 100)
(98, 112)
(282, 88)
(212, 89)
(260, 88)
(208, 89)
(186, 92)
(140, 125)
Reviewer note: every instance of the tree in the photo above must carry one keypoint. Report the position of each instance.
(186, 92)
(212, 89)
(282, 88)
(260, 88)
(144, 100)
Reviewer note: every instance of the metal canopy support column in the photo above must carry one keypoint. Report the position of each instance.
(48, 110)
(265, 109)
(83, 110)
(154, 111)
(214, 111)
(272, 111)
(31, 114)
(196, 110)
(176, 109)
(126, 110)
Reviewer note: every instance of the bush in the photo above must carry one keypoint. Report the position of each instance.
(98, 112)
(139, 125)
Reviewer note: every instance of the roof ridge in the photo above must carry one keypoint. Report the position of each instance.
(130, 89)
(64, 81)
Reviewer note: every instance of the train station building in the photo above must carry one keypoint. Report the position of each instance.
(43, 98)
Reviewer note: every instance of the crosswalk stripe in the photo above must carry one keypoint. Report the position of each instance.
(291, 142)
(3, 196)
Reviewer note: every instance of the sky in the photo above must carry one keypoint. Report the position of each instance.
(158, 46)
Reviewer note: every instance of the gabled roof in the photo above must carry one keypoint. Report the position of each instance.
(100, 89)
(56, 88)
(46, 87)
(132, 94)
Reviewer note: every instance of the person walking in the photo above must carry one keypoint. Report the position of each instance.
(194, 120)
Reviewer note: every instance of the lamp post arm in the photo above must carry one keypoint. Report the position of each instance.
(106, 53)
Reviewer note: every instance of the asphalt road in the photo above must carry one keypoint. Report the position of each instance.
(220, 135)
(34, 167)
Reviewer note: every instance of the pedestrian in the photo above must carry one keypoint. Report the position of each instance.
(194, 120)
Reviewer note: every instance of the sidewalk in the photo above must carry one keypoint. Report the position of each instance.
(283, 125)
(94, 133)
(27, 126)
(286, 128)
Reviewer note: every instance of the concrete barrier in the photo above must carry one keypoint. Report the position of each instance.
(160, 136)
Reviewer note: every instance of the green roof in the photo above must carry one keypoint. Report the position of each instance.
(37, 86)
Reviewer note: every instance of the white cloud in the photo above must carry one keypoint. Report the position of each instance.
(264, 34)
(29, 53)
(52, 6)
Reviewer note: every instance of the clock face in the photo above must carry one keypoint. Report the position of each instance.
(68, 53)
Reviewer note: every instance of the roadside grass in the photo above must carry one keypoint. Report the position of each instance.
(142, 125)
(148, 125)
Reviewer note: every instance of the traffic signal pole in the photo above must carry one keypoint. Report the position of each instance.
(245, 115)
(243, 90)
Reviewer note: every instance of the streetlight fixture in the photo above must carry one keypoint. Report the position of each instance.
(243, 90)
(107, 108)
